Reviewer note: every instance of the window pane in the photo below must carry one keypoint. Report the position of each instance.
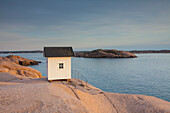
(61, 65)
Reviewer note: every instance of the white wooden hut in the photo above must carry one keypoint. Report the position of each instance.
(58, 62)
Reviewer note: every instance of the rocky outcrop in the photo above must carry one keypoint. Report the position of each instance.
(105, 53)
(18, 70)
(20, 60)
(38, 95)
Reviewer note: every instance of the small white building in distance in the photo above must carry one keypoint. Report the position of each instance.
(58, 62)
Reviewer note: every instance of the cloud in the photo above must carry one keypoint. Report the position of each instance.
(14, 41)
(84, 25)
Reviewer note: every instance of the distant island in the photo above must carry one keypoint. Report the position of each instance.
(132, 51)
(34, 51)
(150, 51)
(105, 53)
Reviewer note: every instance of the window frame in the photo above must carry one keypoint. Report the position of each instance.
(59, 65)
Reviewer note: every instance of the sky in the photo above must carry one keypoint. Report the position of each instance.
(84, 24)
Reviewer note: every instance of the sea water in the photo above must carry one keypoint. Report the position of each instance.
(149, 74)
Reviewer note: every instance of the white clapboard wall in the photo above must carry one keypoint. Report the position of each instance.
(54, 72)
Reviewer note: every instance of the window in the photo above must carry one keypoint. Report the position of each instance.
(61, 65)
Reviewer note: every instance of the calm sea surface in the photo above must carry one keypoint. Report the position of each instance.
(149, 74)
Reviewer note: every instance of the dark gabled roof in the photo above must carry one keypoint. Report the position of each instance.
(58, 52)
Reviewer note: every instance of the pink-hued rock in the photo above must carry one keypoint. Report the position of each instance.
(6, 77)
(16, 69)
(13, 72)
(38, 95)
(28, 73)
(4, 70)
(20, 60)
(105, 53)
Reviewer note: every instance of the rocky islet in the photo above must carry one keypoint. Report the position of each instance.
(105, 53)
